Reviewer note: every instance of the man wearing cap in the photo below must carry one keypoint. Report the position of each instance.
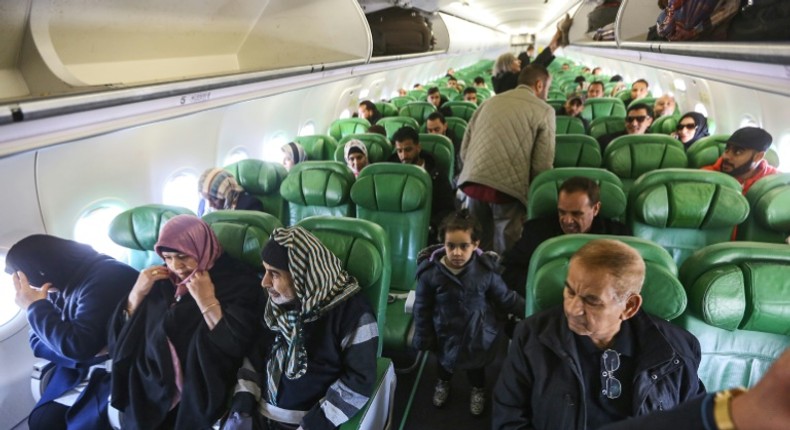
(574, 107)
(744, 156)
(314, 365)
(356, 155)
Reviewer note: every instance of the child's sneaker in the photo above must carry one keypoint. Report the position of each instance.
(440, 393)
(477, 401)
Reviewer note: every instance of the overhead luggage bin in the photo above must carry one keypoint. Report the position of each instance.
(66, 46)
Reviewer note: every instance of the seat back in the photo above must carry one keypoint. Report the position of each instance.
(576, 150)
(738, 295)
(603, 106)
(379, 148)
(262, 179)
(630, 156)
(398, 198)
(568, 125)
(401, 101)
(649, 100)
(606, 125)
(418, 94)
(706, 150)
(318, 146)
(138, 229)
(457, 125)
(318, 188)
(417, 110)
(364, 250)
(461, 109)
(556, 103)
(393, 123)
(243, 234)
(769, 213)
(663, 295)
(341, 128)
(684, 210)
(386, 109)
(441, 147)
(665, 125)
(545, 188)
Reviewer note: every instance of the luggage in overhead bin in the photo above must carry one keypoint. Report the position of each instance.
(399, 31)
(761, 21)
(683, 20)
(604, 14)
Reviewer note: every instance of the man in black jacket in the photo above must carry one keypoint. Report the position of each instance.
(578, 205)
(599, 358)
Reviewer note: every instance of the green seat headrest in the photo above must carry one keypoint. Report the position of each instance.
(258, 177)
(392, 187)
(318, 183)
(243, 234)
(691, 205)
(138, 228)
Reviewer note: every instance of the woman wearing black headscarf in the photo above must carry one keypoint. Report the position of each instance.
(76, 289)
(691, 127)
(178, 340)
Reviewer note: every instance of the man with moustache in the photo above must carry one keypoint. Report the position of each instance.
(637, 121)
(744, 157)
(578, 205)
(598, 358)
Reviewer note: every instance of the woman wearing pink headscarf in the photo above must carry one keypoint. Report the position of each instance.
(179, 338)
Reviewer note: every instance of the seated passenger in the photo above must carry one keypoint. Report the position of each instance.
(408, 151)
(526, 56)
(691, 127)
(574, 107)
(598, 358)
(639, 89)
(293, 153)
(356, 155)
(314, 365)
(744, 156)
(69, 291)
(637, 121)
(437, 124)
(581, 84)
(565, 67)
(437, 100)
(620, 86)
(178, 340)
(597, 71)
(459, 294)
(470, 95)
(402, 92)
(479, 82)
(595, 90)
(219, 190)
(368, 110)
(452, 82)
(378, 129)
(664, 106)
(578, 205)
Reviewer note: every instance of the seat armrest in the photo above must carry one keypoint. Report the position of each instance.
(408, 306)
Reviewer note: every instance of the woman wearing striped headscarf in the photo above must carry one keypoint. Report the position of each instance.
(293, 153)
(180, 336)
(220, 190)
(315, 364)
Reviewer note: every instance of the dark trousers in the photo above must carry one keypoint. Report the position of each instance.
(49, 416)
(477, 377)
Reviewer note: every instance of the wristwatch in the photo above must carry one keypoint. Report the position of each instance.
(721, 408)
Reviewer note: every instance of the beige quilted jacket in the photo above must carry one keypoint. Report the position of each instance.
(509, 140)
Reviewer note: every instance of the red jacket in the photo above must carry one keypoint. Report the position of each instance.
(763, 169)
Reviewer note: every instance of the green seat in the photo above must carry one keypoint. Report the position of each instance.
(441, 147)
(363, 249)
(138, 229)
(401, 101)
(379, 148)
(418, 95)
(557, 95)
(606, 125)
(457, 125)
(243, 234)
(393, 123)
(318, 146)
(386, 109)
(650, 101)
(568, 125)
(603, 106)
(769, 214)
(398, 198)
(544, 189)
(665, 125)
(417, 110)
(630, 156)
(461, 109)
(341, 128)
(684, 210)
(318, 188)
(576, 150)
(448, 92)
(662, 292)
(557, 103)
(738, 309)
(707, 150)
(262, 179)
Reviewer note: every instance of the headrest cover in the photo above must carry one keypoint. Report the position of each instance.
(691, 205)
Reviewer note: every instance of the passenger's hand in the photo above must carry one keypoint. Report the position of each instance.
(25, 294)
(202, 289)
(767, 405)
(145, 281)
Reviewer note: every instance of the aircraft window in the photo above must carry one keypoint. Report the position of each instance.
(182, 190)
(699, 107)
(345, 114)
(307, 129)
(363, 93)
(93, 226)
(8, 309)
(272, 151)
(748, 121)
(680, 85)
(237, 154)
